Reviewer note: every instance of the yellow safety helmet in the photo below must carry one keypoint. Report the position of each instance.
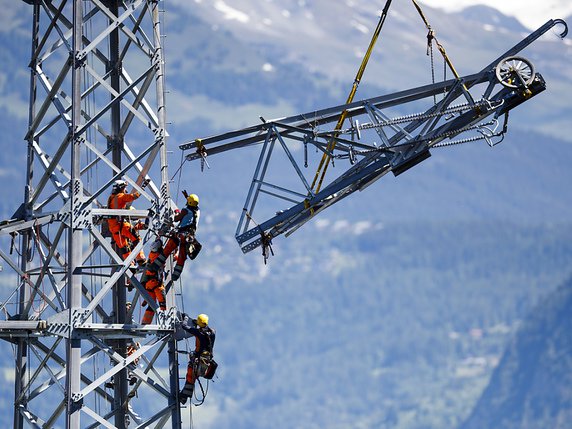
(202, 320)
(193, 200)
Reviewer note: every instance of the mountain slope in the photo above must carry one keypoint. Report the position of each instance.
(388, 326)
(324, 42)
(532, 386)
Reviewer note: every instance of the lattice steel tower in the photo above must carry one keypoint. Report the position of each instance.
(96, 115)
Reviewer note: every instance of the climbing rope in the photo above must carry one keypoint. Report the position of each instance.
(203, 392)
(431, 37)
(179, 172)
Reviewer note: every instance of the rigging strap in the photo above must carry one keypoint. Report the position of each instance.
(326, 157)
(431, 37)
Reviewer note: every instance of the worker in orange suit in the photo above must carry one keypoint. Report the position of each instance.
(183, 237)
(125, 235)
(153, 282)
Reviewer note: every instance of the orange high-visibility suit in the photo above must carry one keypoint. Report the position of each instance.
(124, 234)
(153, 282)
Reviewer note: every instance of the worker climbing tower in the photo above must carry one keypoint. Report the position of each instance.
(96, 116)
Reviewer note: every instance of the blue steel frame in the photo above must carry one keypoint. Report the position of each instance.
(405, 141)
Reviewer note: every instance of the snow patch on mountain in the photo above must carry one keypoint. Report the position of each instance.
(531, 13)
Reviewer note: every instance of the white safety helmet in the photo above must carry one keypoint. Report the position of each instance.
(119, 184)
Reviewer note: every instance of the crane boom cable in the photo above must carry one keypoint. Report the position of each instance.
(431, 36)
(459, 108)
(326, 157)
(446, 134)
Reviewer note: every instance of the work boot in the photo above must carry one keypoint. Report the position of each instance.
(187, 392)
(183, 398)
(177, 271)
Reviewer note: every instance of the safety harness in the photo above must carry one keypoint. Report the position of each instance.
(203, 365)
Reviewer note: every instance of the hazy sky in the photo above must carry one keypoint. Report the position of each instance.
(532, 13)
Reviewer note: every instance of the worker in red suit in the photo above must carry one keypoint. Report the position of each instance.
(183, 237)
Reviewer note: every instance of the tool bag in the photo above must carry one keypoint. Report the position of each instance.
(193, 247)
(206, 366)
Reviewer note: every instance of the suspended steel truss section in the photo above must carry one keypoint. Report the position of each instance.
(96, 115)
(389, 133)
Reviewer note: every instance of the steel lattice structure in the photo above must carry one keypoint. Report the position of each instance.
(407, 124)
(97, 114)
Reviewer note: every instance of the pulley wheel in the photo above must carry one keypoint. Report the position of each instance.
(515, 72)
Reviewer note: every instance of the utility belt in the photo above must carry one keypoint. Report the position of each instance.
(153, 275)
(192, 245)
(204, 365)
(188, 232)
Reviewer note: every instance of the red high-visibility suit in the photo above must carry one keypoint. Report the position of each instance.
(183, 237)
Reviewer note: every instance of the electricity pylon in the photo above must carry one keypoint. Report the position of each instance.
(96, 115)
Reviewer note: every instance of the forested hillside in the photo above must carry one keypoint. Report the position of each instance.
(397, 326)
(532, 386)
